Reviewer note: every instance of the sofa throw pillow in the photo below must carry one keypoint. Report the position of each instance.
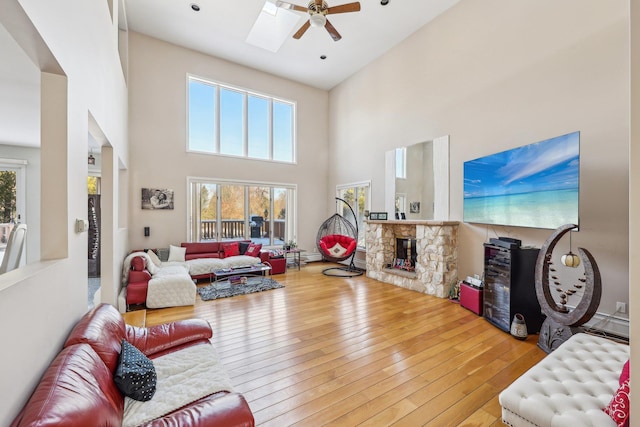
(276, 253)
(624, 375)
(243, 247)
(231, 249)
(135, 374)
(138, 263)
(618, 408)
(154, 258)
(254, 250)
(177, 253)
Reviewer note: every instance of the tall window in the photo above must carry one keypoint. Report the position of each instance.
(358, 196)
(401, 163)
(221, 210)
(234, 122)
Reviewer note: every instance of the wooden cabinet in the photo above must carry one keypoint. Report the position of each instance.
(509, 286)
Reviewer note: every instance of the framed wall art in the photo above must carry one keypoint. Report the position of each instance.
(157, 198)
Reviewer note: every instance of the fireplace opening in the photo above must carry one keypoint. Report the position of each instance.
(406, 255)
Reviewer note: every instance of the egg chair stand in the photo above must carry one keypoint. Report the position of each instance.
(337, 241)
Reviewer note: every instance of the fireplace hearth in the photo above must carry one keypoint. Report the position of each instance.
(417, 255)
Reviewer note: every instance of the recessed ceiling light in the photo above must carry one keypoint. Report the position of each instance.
(384, 2)
(323, 57)
(196, 8)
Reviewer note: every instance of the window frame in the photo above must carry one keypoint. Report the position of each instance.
(291, 228)
(246, 94)
(359, 215)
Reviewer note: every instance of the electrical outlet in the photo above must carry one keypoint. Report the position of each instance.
(621, 307)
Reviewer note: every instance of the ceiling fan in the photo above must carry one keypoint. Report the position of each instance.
(318, 11)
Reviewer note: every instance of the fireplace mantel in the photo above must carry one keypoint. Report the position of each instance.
(428, 222)
(436, 268)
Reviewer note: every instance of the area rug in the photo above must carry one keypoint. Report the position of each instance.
(224, 290)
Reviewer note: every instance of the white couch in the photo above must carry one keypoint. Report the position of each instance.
(568, 388)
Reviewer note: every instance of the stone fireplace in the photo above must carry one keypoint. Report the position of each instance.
(417, 255)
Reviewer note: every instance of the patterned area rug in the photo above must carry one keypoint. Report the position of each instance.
(224, 290)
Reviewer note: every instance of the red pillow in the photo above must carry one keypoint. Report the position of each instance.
(254, 250)
(618, 408)
(138, 263)
(231, 249)
(624, 375)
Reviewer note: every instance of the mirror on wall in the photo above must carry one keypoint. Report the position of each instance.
(417, 181)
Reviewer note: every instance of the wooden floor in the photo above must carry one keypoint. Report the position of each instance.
(347, 352)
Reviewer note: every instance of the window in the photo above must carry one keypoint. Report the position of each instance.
(401, 163)
(223, 210)
(358, 196)
(234, 122)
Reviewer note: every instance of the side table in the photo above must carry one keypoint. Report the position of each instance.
(296, 256)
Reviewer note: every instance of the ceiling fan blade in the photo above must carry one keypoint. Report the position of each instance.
(319, 3)
(335, 35)
(285, 5)
(343, 8)
(302, 30)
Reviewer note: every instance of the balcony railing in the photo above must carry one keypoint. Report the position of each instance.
(235, 229)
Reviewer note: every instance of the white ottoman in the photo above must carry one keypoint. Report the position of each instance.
(569, 387)
(171, 291)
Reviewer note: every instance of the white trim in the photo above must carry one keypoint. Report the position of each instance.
(245, 120)
(20, 168)
(292, 201)
(441, 178)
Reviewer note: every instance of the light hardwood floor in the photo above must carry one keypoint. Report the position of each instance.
(347, 352)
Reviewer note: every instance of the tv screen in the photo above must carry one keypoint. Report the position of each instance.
(531, 186)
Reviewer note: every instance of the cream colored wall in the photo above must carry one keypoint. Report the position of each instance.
(497, 74)
(40, 302)
(157, 101)
(634, 196)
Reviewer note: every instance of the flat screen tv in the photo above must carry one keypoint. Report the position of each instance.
(531, 186)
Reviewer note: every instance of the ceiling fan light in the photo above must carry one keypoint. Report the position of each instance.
(317, 20)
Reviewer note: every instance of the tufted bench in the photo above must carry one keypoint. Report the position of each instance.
(569, 387)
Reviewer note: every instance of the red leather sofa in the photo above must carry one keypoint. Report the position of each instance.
(214, 250)
(78, 388)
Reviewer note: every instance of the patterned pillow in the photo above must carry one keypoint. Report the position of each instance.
(135, 374)
(231, 249)
(337, 250)
(254, 250)
(618, 408)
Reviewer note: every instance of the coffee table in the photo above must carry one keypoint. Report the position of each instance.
(218, 275)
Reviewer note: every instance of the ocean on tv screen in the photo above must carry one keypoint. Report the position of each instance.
(536, 185)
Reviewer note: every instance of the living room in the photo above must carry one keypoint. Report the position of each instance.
(492, 75)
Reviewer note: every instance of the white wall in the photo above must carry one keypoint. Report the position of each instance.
(497, 74)
(157, 102)
(75, 42)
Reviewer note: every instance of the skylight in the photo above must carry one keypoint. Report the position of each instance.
(273, 26)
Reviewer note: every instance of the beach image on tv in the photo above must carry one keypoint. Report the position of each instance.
(531, 186)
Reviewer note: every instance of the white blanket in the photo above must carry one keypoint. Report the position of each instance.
(183, 377)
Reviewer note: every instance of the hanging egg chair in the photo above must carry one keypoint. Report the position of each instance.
(337, 241)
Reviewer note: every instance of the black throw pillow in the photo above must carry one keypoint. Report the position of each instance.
(243, 247)
(135, 374)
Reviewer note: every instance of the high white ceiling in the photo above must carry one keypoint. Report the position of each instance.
(220, 29)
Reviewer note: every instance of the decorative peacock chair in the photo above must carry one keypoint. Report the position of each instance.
(337, 241)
